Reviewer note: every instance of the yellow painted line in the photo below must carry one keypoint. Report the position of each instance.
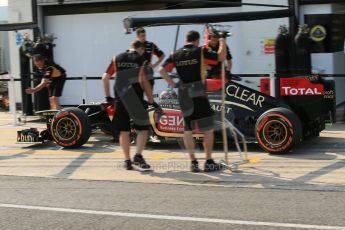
(14, 141)
(254, 160)
(14, 130)
(160, 156)
(151, 155)
(53, 152)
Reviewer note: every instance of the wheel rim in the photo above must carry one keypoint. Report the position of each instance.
(66, 129)
(275, 132)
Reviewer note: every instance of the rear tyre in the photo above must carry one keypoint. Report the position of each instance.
(278, 130)
(71, 128)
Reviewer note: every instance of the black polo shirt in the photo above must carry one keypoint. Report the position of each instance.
(188, 62)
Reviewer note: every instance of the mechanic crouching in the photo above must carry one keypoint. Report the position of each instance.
(189, 62)
(129, 90)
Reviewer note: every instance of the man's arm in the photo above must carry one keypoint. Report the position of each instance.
(145, 85)
(160, 59)
(44, 82)
(222, 49)
(159, 53)
(166, 77)
(228, 59)
(229, 65)
(106, 85)
(106, 78)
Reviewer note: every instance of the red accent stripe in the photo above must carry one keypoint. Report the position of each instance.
(111, 70)
(210, 62)
(169, 67)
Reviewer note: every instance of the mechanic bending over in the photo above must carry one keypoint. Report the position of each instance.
(151, 49)
(53, 77)
(189, 62)
(129, 85)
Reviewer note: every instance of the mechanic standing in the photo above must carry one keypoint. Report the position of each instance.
(129, 85)
(53, 77)
(214, 71)
(151, 49)
(189, 62)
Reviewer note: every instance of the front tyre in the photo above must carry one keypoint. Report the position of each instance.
(71, 128)
(278, 130)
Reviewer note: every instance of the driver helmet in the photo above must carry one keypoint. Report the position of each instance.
(168, 94)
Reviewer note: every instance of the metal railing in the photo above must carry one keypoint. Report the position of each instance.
(7, 77)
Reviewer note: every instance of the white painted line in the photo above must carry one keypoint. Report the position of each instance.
(176, 218)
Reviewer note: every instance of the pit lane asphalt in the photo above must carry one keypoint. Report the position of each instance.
(316, 164)
(48, 187)
(49, 203)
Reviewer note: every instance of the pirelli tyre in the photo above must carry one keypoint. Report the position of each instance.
(278, 130)
(71, 128)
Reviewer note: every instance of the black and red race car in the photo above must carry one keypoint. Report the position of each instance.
(301, 105)
(275, 123)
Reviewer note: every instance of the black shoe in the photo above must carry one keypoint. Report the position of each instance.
(128, 165)
(140, 161)
(194, 167)
(211, 166)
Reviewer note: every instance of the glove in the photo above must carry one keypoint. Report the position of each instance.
(109, 99)
(177, 84)
(155, 106)
(224, 34)
(157, 109)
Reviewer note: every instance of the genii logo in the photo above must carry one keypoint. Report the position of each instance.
(172, 121)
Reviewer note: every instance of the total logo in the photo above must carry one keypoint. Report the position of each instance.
(300, 87)
(289, 91)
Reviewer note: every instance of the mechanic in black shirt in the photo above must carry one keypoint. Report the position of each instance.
(53, 77)
(189, 62)
(214, 71)
(151, 49)
(130, 81)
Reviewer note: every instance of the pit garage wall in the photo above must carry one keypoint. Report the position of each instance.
(330, 63)
(254, 33)
(4, 51)
(86, 42)
(19, 11)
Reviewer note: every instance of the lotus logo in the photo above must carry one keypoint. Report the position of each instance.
(318, 33)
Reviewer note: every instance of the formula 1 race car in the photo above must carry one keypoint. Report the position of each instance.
(301, 105)
(276, 124)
